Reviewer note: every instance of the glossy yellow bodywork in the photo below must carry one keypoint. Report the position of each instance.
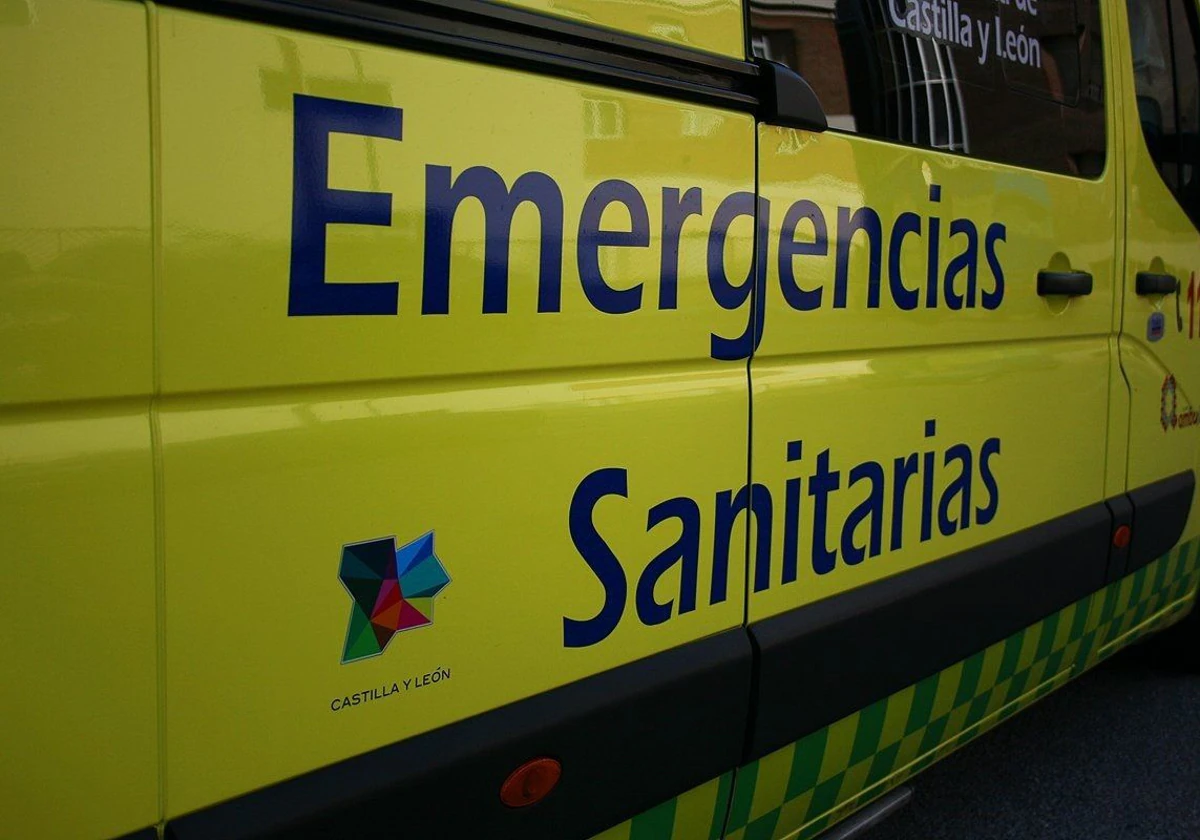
(283, 439)
(78, 696)
(1159, 238)
(710, 25)
(75, 220)
(1033, 373)
(181, 461)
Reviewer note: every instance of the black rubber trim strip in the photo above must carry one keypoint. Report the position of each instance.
(824, 661)
(144, 834)
(1160, 513)
(516, 38)
(628, 739)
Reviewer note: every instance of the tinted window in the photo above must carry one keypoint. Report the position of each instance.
(1163, 46)
(1015, 81)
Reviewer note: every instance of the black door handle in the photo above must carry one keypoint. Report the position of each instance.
(1071, 283)
(1150, 283)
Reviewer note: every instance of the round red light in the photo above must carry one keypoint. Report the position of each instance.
(1122, 536)
(530, 783)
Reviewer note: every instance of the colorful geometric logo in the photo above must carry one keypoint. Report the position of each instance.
(392, 590)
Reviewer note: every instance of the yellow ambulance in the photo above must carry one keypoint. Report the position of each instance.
(634, 419)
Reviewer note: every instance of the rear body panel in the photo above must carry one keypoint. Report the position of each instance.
(1161, 367)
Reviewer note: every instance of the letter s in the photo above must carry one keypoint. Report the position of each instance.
(610, 481)
(315, 205)
(995, 233)
(987, 513)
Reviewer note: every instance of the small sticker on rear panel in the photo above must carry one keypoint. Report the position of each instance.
(1156, 326)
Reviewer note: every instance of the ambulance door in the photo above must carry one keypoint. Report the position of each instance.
(930, 396)
(1160, 328)
(454, 316)
(78, 653)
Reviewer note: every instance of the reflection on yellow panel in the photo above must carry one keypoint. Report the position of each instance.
(75, 219)
(710, 25)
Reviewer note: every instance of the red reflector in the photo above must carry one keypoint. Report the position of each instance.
(530, 783)
(1122, 536)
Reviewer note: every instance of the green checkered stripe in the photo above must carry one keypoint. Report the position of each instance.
(804, 788)
(700, 813)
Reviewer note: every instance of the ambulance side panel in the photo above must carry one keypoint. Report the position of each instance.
(79, 704)
(416, 305)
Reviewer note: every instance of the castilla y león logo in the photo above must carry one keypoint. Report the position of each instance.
(392, 590)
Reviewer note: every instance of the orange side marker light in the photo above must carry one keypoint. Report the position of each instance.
(1122, 536)
(530, 783)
